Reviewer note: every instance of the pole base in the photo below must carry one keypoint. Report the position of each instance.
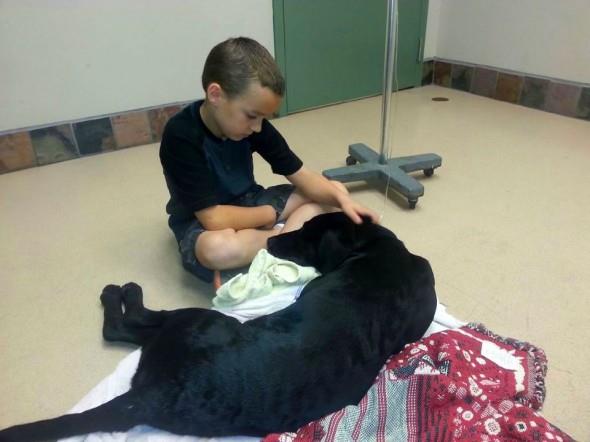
(395, 170)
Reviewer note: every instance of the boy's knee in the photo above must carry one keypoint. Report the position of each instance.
(314, 209)
(340, 186)
(214, 249)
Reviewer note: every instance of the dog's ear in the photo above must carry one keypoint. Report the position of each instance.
(290, 246)
(335, 246)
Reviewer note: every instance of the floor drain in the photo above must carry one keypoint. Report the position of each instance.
(440, 99)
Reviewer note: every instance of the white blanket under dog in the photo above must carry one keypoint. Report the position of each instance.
(119, 381)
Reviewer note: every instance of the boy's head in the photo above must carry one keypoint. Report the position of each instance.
(236, 62)
(243, 85)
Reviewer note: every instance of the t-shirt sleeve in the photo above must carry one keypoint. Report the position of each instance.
(271, 145)
(187, 174)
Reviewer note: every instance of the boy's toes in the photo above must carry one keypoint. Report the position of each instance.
(216, 280)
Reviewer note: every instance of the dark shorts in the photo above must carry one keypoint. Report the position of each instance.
(276, 196)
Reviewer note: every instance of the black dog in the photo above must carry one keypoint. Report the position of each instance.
(205, 374)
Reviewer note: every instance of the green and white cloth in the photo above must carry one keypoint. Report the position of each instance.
(266, 276)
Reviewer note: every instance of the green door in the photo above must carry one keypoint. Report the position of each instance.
(332, 50)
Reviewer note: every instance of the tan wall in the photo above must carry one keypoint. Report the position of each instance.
(65, 60)
(543, 37)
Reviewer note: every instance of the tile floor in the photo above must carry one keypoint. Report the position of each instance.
(504, 222)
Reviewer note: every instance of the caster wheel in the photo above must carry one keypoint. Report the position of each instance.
(350, 161)
(429, 172)
(412, 203)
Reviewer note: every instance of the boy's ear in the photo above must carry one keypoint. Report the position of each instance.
(214, 93)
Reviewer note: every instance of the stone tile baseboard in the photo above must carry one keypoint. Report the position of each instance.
(547, 94)
(31, 147)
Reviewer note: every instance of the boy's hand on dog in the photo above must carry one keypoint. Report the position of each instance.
(356, 211)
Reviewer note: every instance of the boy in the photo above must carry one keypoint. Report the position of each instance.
(219, 215)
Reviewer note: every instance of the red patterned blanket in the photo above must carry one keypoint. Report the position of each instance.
(465, 384)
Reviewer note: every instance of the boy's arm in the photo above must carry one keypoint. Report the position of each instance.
(235, 217)
(319, 189)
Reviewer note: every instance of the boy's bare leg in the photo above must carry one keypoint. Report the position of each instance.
(300, 209)
(296, 200)
(305, 213)
(228, 249)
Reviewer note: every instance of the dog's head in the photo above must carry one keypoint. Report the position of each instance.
(323, 242)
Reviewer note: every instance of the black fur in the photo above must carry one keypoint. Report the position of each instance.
(205, 374)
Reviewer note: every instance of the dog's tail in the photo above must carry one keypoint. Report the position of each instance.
(118, 414)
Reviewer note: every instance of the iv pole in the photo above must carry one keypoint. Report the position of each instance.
(393, 171)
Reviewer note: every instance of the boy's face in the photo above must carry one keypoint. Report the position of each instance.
(236, 118)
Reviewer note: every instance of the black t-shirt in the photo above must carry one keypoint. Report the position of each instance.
(202, 170)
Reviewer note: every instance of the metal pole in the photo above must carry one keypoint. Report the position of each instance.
(388, 71)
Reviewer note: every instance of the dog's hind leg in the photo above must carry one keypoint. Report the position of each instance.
(111, 299)
(119, 414)
(116, 328)
(135, 313)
